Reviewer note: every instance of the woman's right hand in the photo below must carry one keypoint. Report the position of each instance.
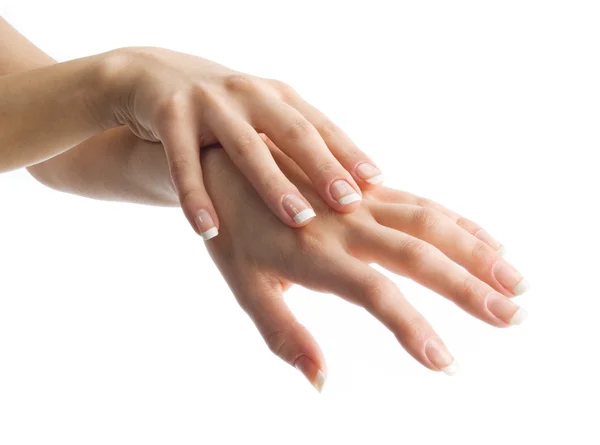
(260, 258)
(187, 102)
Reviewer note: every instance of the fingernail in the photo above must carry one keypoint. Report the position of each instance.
(519, 317)
(504, 309)
(343, 192)
(206, 225)
(369, 173)
(490, 241)
(510, 278)
(438, 355)
(311, 371)
(297, 208)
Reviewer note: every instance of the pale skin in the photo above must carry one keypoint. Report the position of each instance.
(186, 103)
(260, 257)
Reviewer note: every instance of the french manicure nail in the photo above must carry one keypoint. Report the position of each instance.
(489, 240)
(369, 173)
(311, 371)
(206, 225)
(343, 192)
(519, 316)
(297, 208)
(504, 309)
(522, 287)
(510, 278)
(438, 355)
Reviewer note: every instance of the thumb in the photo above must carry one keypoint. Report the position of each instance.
(285, 336)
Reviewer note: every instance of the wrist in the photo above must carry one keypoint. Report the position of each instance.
(113, 80)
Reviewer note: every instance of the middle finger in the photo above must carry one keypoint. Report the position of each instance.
(298, 139)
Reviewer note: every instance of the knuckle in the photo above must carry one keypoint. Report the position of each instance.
(285, 91)
(374, 293)
(309, 243)
(243, 144)
(351, 155)
(483, 254)
(298, 129)
(325, 170)
(357, 224)
(205, 98)
(468, 225)
(276, 341)
(178, 166)
(172, 106)
(469, 290)
(423, 202)
(328, 129)
(426, 219)
(415, 330)
(241, 83)
(200, 92)
(415, 252)
(271, 184)
(188, 198)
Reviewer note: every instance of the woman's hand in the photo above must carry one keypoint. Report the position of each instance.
(260, 258)
(187, 102)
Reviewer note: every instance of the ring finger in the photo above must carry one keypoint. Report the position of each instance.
(400, 197)
(459, 245)
(299, 140)
(420, 261)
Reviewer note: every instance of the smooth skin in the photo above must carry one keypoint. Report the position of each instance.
(260, 257)
(185, 102)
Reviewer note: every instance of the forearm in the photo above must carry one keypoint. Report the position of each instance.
(48, 110)
(113, 166)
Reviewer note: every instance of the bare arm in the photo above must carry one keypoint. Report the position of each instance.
(50, 107)
(186, 103)
(114, 165)
(397, 230)
(18, 54)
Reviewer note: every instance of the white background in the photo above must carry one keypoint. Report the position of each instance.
(115, 327)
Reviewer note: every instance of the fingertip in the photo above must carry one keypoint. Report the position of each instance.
(369, 174)
(298, 210)
(345, 195)
(313, 373)
(439, 357)
(205, 224)
(199, 210)
(209, 234)
(451, 369)
(350, 199)
(304, 217)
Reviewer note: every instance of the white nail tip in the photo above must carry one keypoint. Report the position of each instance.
(210, 233)
(519, 316)
(376, 179)
(451, 369)
(345, 200)
(319, 381)
(501, 251)
(522, 287)
(304, 215)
